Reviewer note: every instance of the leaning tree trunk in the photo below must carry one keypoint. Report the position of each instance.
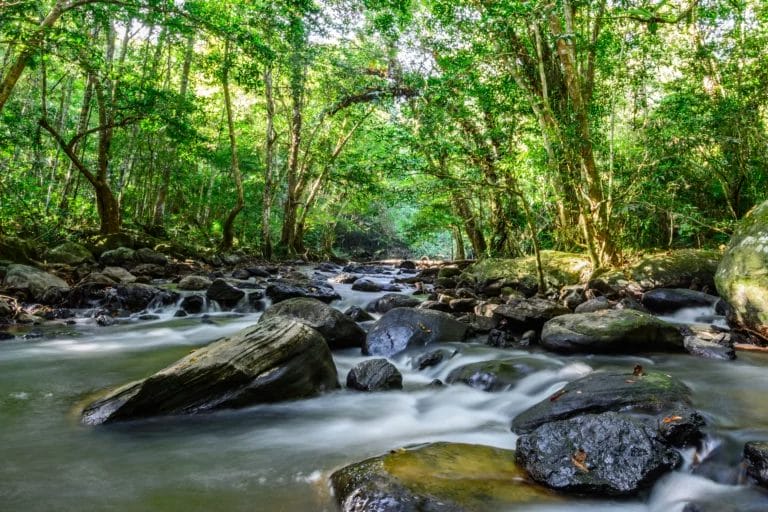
(268, 193)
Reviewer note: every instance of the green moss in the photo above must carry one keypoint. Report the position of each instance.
(560, 268)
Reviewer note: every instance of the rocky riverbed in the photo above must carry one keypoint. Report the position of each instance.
(373, 387)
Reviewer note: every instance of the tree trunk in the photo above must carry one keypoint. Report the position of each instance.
(458, 241)
(268, 192)
(229, 222)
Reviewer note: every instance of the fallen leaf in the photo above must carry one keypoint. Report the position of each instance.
(671, 419)
(557, 395)
(578, 459)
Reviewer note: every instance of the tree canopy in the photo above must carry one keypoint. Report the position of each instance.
(365, 128)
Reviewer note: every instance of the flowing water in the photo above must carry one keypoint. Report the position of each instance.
(278, 457)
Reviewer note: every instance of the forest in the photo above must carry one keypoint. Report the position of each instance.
(374, 128)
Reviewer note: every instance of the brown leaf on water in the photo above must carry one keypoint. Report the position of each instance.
(557, 394)
(671, 419)
(638, 371)
(578, 459)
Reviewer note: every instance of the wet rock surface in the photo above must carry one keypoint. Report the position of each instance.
(444, 477)
(374, 375)
(596, 454)
(401, 328)
(270, 362)
(651, 392)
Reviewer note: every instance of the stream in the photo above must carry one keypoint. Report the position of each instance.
(278, 457)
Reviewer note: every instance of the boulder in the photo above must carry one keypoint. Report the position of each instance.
(374, 375)
(32, 281)
(445, 477)
(668, 300)
(431, 358)
(365, 284)
(16, 250)
(269, 362)
(118, 275)
(596, 454)
(742, 279)
(193, 282)
(120, 257)
(520, 315)
(339, 330)
(683, 268)
(597, 304)
(224, 293)
(69, 253)
(611, 331)
(150, 270)
(391, 301)
(289, 289)
(401, 328)
(193, 304)
(756, 461)
(496, 375)
(137, 297)
(560, 269)
(648, 392)
(147, 255)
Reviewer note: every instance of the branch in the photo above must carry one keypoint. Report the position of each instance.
(116, 124)
(68, 150)
(373, 94)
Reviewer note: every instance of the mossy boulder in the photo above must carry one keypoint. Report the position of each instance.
(742, 277)
(560, 269)
(272, 361)
(610, 331)
(496, 375)
(445, 477)
(676, 269)
(33, 282)
(70, 253)
(648, 392)
(16, 250)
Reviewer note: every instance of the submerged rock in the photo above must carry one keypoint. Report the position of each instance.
(374, 375)
(491, 375)
(444, 477)
(610, 331)
(339, 330)
(401, 328)
(272, 361)
(32, 281)
(652, 392)
(742, 280)
(597, 454)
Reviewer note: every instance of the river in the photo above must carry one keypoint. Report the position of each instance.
(278, 457)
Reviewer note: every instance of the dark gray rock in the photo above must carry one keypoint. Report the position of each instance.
(151, 270)
(269, 362)
(524, 314)
(680, 426)
(242, 274)
(391, 301)
(365, 284)
(193, 304)
(285, 289)
(610, 331)
(224, 293)
(339, 330)
(374, 375)
(358, 314)
(401, 328)
(653, 392)
(258, 272)
(596, 454)
(120, 257)
(146, 255)
(432, 358)
(668, 300)
(31, 281)
(597, 304)
(756, 461)
(137, 297)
